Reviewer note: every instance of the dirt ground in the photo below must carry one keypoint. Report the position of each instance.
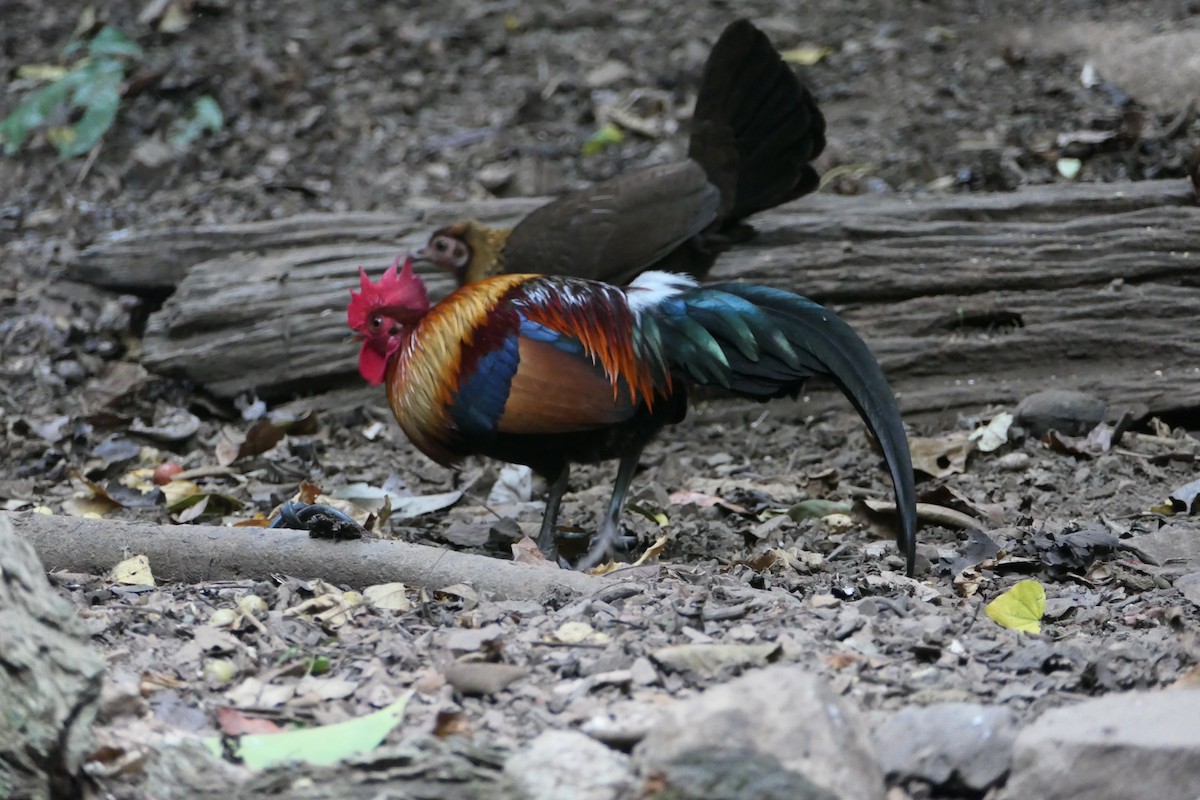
(382, 105)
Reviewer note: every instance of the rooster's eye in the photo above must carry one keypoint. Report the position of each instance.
(439, 245)
(376, 322)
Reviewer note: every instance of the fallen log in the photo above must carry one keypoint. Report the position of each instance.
(199, 553)
(149, 262)
(968, 299)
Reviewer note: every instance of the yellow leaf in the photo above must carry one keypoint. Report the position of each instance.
(1020, 608)
(141, 479)
(806, 56)
(573, 632)
(133, 571)
(61, 135)
(41, 72)
(652, 514)
(654, 550)
(941, 456)
(177, 492)
(391, 596)
(88, 507)
(607, 134)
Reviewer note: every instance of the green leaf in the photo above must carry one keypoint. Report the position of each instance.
(206, 117)
(317, 665)
(607, 134)
(32, 112)
(100, 97)
(94, 85)
(1020, 608)
(325, 744)
(111, 42)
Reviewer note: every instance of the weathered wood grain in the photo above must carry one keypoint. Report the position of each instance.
(967, 299)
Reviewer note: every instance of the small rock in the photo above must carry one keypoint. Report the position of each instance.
(1136, 744)
(481, 677)
(717, 459)
(494, 177)
(607, 74)
(1173, 543)
(152, 153)
(71, 371)
(561, 764)
(471, 640)
(952, 745)
(709, 659)
(1014, 462)
(1069, 412)
(643, 672)
(728, 774)
(43, 218)
(622, 725)
(1189, 586)
(780, 713)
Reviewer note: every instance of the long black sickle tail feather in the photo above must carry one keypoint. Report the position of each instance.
(763, 343)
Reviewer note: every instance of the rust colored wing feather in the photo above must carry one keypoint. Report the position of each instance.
(557, 392)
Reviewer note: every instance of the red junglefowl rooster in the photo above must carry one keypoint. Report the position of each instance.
(548, 371)
(755, 129)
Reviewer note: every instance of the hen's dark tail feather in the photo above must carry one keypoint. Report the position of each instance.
(763, 343)
(756, 126)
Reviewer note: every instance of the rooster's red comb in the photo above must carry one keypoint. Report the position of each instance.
(394, 293)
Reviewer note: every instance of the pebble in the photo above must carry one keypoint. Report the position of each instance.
(1066, 411)
(1132, 744)
(781, 713)
(1014, 462)
(948, 744)
(561, 764)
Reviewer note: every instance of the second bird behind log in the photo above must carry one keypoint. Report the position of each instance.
(755, 131)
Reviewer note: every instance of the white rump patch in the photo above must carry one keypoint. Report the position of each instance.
(651, 288)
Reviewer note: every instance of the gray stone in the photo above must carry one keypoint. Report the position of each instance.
(1069, 412)
(949, 744)
(560, 764)
(1189, 586)
(1176, 545)
(781, 712)
(480, 677)
(1137, 744)
(730, 774)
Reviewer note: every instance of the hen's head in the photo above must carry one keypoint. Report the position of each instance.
(379, 312)
(449, 248)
